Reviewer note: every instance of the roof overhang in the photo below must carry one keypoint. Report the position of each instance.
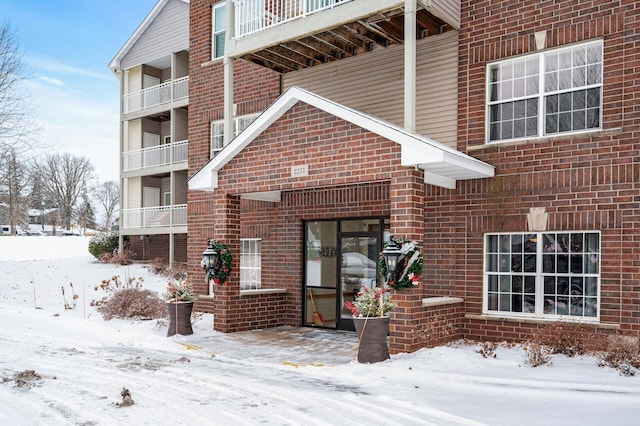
(443, 166)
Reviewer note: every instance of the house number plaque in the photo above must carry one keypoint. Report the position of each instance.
(300, 171)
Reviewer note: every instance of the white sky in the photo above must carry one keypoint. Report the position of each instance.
(255, 377)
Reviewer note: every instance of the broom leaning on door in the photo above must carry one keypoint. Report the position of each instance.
(317, 316)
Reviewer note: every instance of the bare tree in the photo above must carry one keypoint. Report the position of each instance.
(85, 216)
(17, 125)
(108, 196)
(64, 179)
(13, 188)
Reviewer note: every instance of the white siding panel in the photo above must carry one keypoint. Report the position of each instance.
(373, 83)
(134, 193)
(169, 32)
(134, 135)
(133, 82)
(447, 10)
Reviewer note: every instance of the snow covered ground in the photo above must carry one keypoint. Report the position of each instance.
(287, 376)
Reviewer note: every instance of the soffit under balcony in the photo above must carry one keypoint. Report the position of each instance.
(354, 38)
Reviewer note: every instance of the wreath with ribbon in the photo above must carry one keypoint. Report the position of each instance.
(224, 263)
(409, 267)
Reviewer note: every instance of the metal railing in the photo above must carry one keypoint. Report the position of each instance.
(155, 217)
(252, 16)
(160, 155)
(166, 92)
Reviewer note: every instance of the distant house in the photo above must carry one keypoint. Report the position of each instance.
(502, 138)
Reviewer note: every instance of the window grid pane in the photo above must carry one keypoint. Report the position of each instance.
(565, 279)
(570, 100)
(250, 264)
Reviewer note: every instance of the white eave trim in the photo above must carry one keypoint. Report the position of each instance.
(443, 165)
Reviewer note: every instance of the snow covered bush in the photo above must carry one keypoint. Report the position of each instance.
(106, 242)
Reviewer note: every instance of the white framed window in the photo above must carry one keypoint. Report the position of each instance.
(219, 24)
(217, 131)
(250, 263)
(543, 275)
(552, 92)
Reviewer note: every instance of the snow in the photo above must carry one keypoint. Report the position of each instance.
(283, 376)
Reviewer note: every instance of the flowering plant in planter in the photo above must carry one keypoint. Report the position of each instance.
(409, 268)
(180, 291)
(374, 302)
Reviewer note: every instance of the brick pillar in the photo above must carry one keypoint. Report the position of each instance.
(227, 231)
(407, 195)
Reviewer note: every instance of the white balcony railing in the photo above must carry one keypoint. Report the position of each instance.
(253, 16)
(172, 90)
(155, 217)
(160, 155)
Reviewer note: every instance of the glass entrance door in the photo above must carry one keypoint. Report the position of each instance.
(358, 268)
(341, 256)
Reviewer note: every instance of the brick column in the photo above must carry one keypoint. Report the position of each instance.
(227, 231)
(407, 196)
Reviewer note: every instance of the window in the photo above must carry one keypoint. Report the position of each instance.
(250, 264)
(219, 20)
(217, 131)
(547, 93)
(550, 274)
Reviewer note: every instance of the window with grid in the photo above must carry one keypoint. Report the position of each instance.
(547, 93)
(250, 264)
(217, 131)
(548, 274)
(219, 20)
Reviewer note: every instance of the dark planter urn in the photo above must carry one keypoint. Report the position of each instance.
(372, 338)
(179, 318)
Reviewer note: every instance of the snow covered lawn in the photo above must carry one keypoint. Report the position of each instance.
(63, 367)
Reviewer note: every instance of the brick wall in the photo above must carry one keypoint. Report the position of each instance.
(585, 182)
(255, 87)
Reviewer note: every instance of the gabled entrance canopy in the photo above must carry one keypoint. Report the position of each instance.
(442, 165)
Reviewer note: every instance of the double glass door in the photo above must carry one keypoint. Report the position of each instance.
(341, 256)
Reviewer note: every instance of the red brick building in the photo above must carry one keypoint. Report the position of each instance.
(502, 137)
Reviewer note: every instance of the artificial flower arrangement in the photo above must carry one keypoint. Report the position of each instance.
(180, 291)
(374, 302)
(410, 265)
(224, 262)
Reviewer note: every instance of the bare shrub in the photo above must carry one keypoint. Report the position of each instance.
(487, 349)
(124, 258)
(74, 298)
(621, 353)
(159, 267)
(567, 338)
(133, 303)
(537, 354)
(127, 299)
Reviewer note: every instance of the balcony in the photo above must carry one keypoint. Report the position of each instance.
(155, 156)
(165, 93)
(155, 217)
(289, 35)
(258, 15)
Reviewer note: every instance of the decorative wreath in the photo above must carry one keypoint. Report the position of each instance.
(224, 263)
(409, 268)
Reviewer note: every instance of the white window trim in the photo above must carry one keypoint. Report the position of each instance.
(217, 129)
(539, 314)
(215, 31)
(256, 282)
(541, 96)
